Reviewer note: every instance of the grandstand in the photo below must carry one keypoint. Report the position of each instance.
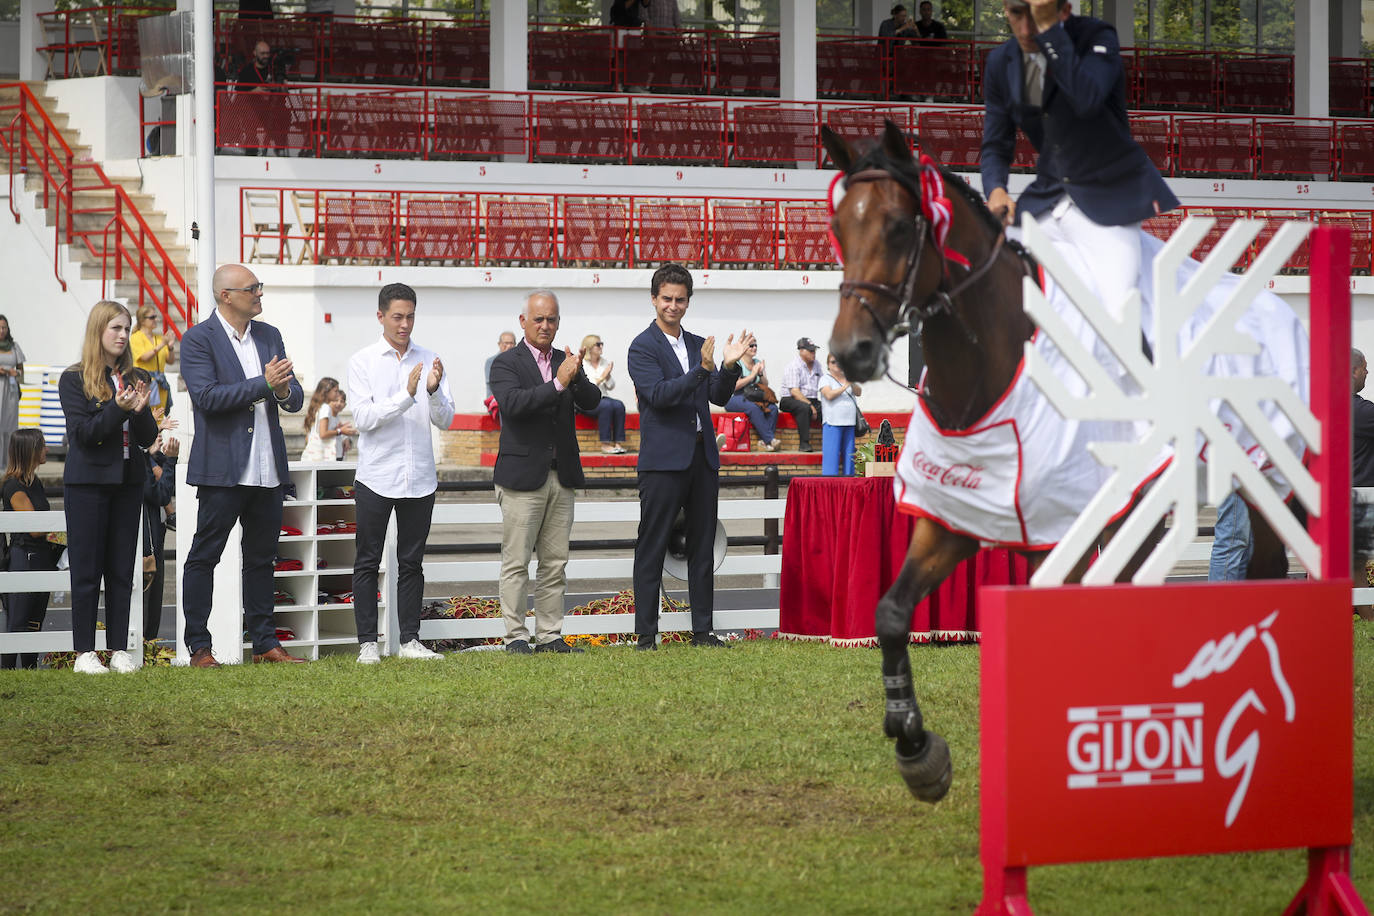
(411, 149)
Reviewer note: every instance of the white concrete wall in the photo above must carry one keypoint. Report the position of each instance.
(47, 321)
(104, 111)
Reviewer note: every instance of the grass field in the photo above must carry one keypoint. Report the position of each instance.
(754, 780)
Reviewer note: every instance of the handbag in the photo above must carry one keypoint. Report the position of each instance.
(861, 427)
(735, 429)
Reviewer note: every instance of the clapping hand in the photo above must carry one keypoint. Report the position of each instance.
(133, 398)
(708, 354)
(277, 372)
(413, 382)
(167, 424)
(734, 349)
(570, 366)
(436, 374)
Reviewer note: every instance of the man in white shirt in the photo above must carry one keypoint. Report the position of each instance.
(802, 381)
(398, 389)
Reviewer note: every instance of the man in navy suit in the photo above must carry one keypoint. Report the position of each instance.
(537, 466)
(1060, 79)
(238, 376)
(675, 376)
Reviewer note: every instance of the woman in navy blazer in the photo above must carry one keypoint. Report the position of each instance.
(108, 422)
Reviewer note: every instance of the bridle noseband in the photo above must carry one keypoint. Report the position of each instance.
(941, 300)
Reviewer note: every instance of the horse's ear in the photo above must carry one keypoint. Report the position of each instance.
(895, 143)
(841, 153)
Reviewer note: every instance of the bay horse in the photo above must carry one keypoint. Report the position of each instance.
(901, 276)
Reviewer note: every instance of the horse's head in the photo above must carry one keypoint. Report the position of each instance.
(883, 239)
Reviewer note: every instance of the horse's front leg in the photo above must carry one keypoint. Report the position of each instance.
(922, 756)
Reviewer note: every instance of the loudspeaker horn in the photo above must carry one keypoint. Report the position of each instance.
(675, 560)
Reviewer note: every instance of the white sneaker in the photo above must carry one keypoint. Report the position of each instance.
(122, 662)
(368, 654)
(89, 663)
(414, 649)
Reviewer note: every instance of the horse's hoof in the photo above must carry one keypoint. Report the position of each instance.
(928, 772)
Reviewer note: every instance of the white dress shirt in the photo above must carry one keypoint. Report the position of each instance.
(261, 470)
(395, 457)
(679, 345)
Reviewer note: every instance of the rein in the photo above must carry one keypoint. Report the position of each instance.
(941, 300)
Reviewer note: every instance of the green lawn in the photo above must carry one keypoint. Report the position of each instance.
(755, 780)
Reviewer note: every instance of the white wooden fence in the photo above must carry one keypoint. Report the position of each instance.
(489, 571)
(60, 581)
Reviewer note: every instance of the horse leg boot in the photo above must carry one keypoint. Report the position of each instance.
(922, 756)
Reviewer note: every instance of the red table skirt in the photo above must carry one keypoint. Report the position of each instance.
(842, 547)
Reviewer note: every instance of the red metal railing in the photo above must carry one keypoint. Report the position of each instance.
(102, 40)
(92, 211)
(636, 129)
(478, 229)
(322, 225)
(430, 52)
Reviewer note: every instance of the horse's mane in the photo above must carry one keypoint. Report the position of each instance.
(908, 175)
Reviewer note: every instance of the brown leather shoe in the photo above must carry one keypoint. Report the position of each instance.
(202, 658)
(277, 655)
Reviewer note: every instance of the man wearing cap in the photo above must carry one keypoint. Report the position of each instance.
(802, 379)
(1060, 79)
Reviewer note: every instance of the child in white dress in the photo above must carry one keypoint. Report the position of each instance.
(317, 422)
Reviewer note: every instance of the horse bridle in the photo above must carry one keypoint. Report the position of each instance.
(941, 300)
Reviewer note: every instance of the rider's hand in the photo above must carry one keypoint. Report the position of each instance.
(1002, 206)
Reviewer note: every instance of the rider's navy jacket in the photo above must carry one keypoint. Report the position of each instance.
(1081, 132)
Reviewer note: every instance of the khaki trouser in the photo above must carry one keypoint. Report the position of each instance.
(535, 522)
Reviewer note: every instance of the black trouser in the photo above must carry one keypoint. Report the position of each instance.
(102, 542)
(800, 409)
(661, 495)
(412, 530)
(26, 610)
(258, 511)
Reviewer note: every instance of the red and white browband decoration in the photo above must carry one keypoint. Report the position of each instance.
(935, 207)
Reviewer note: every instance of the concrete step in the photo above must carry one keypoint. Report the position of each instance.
(96, 223)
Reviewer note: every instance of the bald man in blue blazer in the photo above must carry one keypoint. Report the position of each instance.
(676, 380)
(239, 378)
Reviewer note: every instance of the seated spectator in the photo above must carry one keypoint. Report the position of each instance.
(928, 26)
(609, 413)
(30, 551)
(801, 381)
(755, 399)
(258, 70)
(899, 26)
